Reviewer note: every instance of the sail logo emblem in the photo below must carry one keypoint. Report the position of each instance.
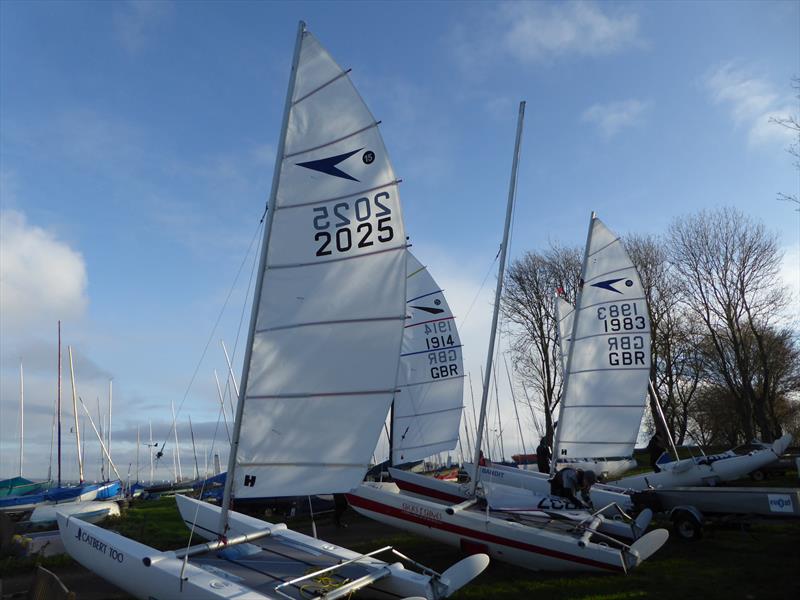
(608, 284)
(249, 480)
(429, 309)
(329, 165)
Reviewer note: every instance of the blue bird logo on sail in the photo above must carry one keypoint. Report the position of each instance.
(608, 284)
(328, 165)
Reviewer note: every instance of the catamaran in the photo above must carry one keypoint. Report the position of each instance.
(550, 544)
(319, 372)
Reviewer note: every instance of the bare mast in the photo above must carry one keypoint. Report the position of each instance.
(512, 188)
(21, 416)
(75, 414)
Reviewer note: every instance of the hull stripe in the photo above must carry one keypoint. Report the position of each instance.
(396, 513)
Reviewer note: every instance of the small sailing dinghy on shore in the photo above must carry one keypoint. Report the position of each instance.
(319, 372)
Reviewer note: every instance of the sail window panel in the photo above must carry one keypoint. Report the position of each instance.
(338, 290)
(330, 358)
(298, 439)
(359, 225)
(351, 176)
(315, 67)
(329, 114)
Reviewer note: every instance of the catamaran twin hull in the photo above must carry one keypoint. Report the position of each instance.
(250, 571)
(525, 494)
(554, 546)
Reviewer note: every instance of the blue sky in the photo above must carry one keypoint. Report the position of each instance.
(137, 142)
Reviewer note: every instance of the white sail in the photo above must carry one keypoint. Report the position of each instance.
(564, 315)
(427, 406)
(328, 323)
(609, 359)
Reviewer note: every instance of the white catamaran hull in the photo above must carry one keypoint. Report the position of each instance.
(204, 518)
(551, 547)
(91, 512)
(521, 495)
(688, 473)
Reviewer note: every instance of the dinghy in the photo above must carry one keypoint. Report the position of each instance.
(319, 371)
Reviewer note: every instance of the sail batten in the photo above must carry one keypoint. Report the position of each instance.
(328, 320)
(427, 407)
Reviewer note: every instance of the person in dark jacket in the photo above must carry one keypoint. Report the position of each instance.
(655, 448)
(543, 456)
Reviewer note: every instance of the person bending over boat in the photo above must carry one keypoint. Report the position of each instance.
(573, 484)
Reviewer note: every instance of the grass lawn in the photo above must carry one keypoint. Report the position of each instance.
(758, 562)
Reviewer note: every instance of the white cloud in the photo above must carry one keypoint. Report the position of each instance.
(41, 277)
(612, 117)
(535, 32)
(752, 101)
(135, 21)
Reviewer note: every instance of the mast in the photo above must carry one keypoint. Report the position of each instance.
(58, 404)
(391, 434)
(237, 424)
(572, 345)
(499, 422)
(194, 450)
(150, 448)
(663, 420)
(177, 453)
(21, 416)
(75, 414)
(138, 444)
(499, 290)
(108, 434)
(231, 376)
(222, 407)
(516, 412)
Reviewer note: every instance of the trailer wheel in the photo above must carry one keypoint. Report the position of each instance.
(686, 526)
(758, 475)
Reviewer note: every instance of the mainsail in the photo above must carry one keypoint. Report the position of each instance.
(427, 406)
(609, 358)
(329, 309)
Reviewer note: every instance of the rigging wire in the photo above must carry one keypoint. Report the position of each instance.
(160, 453)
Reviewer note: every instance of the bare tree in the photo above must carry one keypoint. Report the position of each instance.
(727, 266)
(528, 305)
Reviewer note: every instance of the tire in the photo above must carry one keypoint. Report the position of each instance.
(686, 526)
(758, 475)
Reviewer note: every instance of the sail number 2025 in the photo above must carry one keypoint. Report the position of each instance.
(348, 224)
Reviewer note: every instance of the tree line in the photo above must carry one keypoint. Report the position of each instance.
(725, 350)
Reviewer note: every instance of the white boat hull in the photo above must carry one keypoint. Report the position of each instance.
(687, 473)
(91, 512)
(551, 547)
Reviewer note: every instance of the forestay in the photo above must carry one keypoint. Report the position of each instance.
(329, 320)
(427, 406)
(609, 359)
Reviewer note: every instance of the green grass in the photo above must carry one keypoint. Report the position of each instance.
(762, 562)
(156, 523)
